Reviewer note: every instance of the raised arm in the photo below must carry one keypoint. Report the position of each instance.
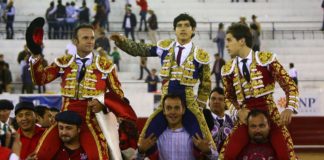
(133, 48)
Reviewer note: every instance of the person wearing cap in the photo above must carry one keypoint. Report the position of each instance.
(43, 116)
(5, 127)
(29, 132)
(69, 127)
(89, 86)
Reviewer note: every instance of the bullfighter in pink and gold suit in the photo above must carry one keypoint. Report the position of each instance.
(253, 89)
(98, 85)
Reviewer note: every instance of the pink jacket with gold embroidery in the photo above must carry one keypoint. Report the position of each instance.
(265, 70)
(100, 80)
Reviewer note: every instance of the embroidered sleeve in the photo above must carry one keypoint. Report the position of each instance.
(42, 75)
(230, 95)
(286, 83)
(136, 49)
(204, 86)
(114, 84)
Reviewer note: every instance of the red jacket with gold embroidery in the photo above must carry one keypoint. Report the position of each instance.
(265, 70)
(100, 80)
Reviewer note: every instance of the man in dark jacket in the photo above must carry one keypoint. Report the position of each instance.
(129, 23)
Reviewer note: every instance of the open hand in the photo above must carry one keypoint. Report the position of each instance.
(146, 143)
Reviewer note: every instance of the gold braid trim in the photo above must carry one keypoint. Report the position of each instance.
(264, 58)
(203, 124)
(201, 56)
(91, 129)
(64, 61)
(148, 121)
(165, 44)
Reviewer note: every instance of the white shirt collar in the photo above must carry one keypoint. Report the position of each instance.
(249, 57)
(215, 116)
(90, 56)
(186, 46)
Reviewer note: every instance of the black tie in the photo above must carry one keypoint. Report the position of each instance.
(220, 121)
(83, 69)
(246, 73)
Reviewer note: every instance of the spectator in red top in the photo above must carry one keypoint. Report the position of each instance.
(259, 146)
(69, 123)
(143, 12)
(29, 132)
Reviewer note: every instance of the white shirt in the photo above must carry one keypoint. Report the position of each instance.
(79, 62)
(128, 23)
(215, 116)
(292, 72)
(185, 52)
(248, 62)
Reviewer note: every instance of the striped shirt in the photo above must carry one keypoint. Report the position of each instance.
(175, 145)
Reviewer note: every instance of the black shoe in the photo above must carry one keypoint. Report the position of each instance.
(146, 30)
(140, 29)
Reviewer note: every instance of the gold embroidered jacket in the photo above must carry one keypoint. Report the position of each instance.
(265, 70)
(177, 78)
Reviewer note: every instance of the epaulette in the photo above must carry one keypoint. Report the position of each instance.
(228, 68)
(165, 44)
(64, 61)
(104, 64)
(201, 56)
(264, 58)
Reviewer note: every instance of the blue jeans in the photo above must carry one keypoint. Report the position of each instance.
(143, 18)
(220, 47)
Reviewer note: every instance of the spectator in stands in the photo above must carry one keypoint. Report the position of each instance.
(71, 18)
(6, 129)
(5, 76)
(100, 15)
(106, 10)
(10, 13)
(220, 39)
(129, 23)
(116, 57)
(69, 126)
(51, 20)
(60, 15)
(256, 42)
(84, 13)
(23, 55)
(2, 60)
(152, 80)
(143, 12)
(259, 146)
(243, 21)
(219, 123)
(323, 16)
(175, 141)
(218, 64)
(3, 6)
(27, 82)
(152, 26)
(143, 64)
(29, 132)
(293, 73)
(102, 41)
(43, 116)
(254, 21)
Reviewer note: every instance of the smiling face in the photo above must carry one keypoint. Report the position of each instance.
(84, 41)
(173, 110)
(184, 31)
(26, 119)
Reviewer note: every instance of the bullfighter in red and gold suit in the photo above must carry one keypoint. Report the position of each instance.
(89, 85)
(249, 81)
